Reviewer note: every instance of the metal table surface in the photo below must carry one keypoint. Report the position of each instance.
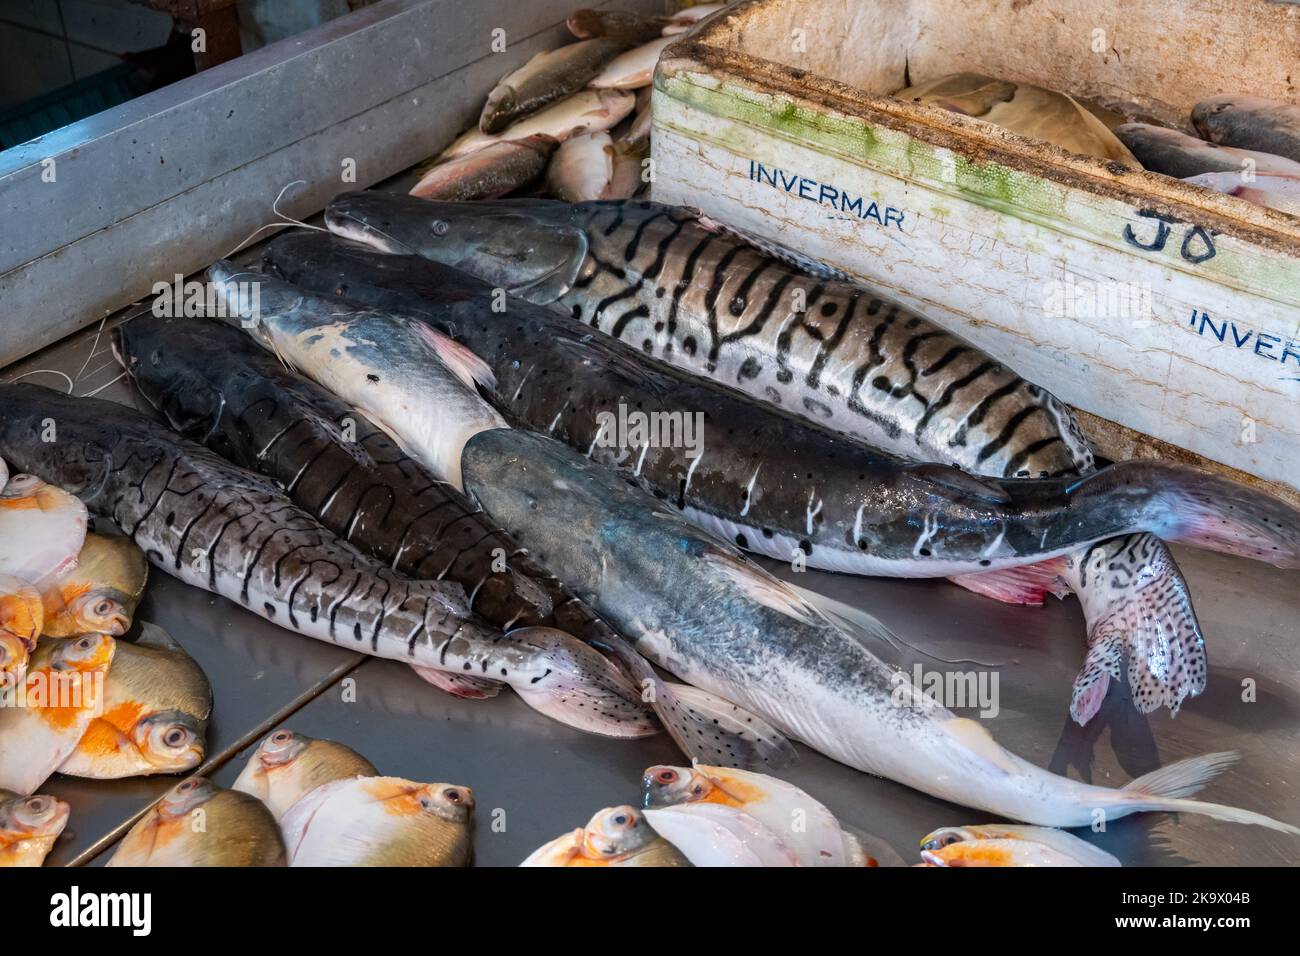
(534, 778)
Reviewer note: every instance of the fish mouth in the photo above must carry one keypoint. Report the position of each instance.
(349, 226)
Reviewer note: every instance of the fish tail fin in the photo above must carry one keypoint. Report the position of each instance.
(579, 686)
(1202, 509)
(1137, 605)
(1167, 789)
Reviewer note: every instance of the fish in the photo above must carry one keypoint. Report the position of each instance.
(1064, 845)
(547, 77)
(633, 69)
(807, 829)
(693, 604)
(1175, 153)
(101, 595)
(1275, 192)
(1024, 109)
(985, 853)
(828, 535)
(685, 20)
(615, 836)
(584, 111)
(22, 616)
(489, 172)
(381, 821)
(712, 834)
(42, 529)
(157, 702)
(234, 533)
(43, 719)
(287, 766)
(1250, 122)
(617, 24)
(594, 166)
(29, 825)
(213, 384)
(198, 823)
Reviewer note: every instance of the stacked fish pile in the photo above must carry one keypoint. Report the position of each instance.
(581, 113)
(305, 802)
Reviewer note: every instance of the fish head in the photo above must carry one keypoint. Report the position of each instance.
(14, 653)
(170, 741)
(615, 831)
(663, 786)
(49, 432)
(90, 652)
(946, 836)
(163, 357)
(98, 610)
(38, 818)
(452, 803)
(1212, 115)
(527, 247)
(186, 797)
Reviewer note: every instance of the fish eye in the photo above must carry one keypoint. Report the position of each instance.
(187, 786)
(666, 776)
(85, 643)
(22, 484)
(282, 736)
(948, 839)
(104, 608)
(441, 227)
(175, 737)
(621, 819)
(453, 796)
(39, 804)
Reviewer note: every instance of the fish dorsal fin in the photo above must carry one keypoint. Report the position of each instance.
(761, 587)
(791, 257)
(151, 635)
(595, 347)
(459, 359)
(980, 742)
(957, 480)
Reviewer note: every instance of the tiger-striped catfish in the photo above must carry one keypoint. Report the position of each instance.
(775, 484)
(694, 604)
(216, 386)
(225, 530)
(692, 293)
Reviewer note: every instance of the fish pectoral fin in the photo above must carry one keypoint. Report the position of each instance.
(459, 685)
(979, 742)
(459, 359)
(151, 635)
(1028, 584)
(761, 587)
(959, 481)
(715, 731)
(383, 426)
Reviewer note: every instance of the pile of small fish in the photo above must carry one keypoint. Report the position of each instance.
(1248, 147)
(305, 802)
(580, 113)
(723, 817)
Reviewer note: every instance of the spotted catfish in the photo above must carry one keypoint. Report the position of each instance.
(225, 530)
(695, 605)
(776, 484)
(215, 385)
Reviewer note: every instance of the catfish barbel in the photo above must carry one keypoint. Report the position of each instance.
(686, 291)
(776, 484)
(693, 604)
(234, 533)
(216, 386)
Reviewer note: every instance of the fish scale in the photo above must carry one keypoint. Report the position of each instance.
(658, 278)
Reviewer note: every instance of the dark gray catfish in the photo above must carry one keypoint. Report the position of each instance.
(216, 386)
(220, 528)
(1250, 122)
(778, 485)
(692, 603)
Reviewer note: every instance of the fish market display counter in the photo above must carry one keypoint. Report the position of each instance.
(533, 778)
